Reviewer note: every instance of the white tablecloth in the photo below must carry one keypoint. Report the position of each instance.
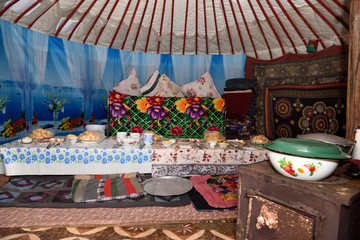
(101, 158)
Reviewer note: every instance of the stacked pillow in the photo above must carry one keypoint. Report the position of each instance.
(203, 87)
(130, 86)
(168, 89)
(151, 87)
(162, 86)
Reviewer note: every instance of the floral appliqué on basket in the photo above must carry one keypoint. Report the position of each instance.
(154, 107)
(117, 108)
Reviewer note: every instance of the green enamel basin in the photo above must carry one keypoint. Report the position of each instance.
(307, 148)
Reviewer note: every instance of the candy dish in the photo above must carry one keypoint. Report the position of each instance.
(26, 140)
(223, 144)
(167, 143)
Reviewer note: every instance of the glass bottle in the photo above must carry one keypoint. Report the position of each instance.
(356, 150)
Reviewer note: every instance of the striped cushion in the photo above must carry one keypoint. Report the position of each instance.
(94, 177)
(106, 189)
(151, 86)
(161, 86)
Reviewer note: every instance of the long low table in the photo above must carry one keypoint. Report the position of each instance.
(200, 159)
(181, 159)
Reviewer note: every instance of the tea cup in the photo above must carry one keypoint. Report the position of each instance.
(120, 136)
(136, 136)
(148, 139)
(72, 140)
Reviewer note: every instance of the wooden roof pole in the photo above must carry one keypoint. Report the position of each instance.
(353, 89)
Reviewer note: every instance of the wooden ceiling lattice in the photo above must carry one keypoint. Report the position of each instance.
(264, 29)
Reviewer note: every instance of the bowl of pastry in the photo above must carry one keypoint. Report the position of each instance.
(213, 136)
(259, 140)
(96, 127)
(89, 137)
(40, 133)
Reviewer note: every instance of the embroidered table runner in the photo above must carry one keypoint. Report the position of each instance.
(200, 159)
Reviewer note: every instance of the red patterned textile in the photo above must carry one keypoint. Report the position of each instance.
(237, 103)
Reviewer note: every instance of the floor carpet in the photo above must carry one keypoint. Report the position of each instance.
(160, 223)
(45, 217)
(209, 230)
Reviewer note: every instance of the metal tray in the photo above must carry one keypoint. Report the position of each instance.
(167, 186)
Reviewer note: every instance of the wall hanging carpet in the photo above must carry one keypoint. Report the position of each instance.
(325, 67)
(293, 109)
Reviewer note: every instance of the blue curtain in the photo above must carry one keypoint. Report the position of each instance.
(46, 81)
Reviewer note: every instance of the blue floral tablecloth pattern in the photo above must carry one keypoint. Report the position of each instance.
(15, 157)
(67, 155)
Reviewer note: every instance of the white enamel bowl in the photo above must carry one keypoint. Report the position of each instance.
(304, 159)
(302, 168)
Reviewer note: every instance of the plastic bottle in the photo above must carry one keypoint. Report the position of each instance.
(356, 150)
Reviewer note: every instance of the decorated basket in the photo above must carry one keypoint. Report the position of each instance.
(168, 117)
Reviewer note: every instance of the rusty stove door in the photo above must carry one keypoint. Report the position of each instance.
(271, 219)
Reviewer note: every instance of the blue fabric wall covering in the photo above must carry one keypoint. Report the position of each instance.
(38, 70)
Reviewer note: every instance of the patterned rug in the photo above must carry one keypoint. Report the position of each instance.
(116, 223)
(55, 192)
(206, 230)
(292, 109)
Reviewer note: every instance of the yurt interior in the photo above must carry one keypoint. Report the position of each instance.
(180, 119)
